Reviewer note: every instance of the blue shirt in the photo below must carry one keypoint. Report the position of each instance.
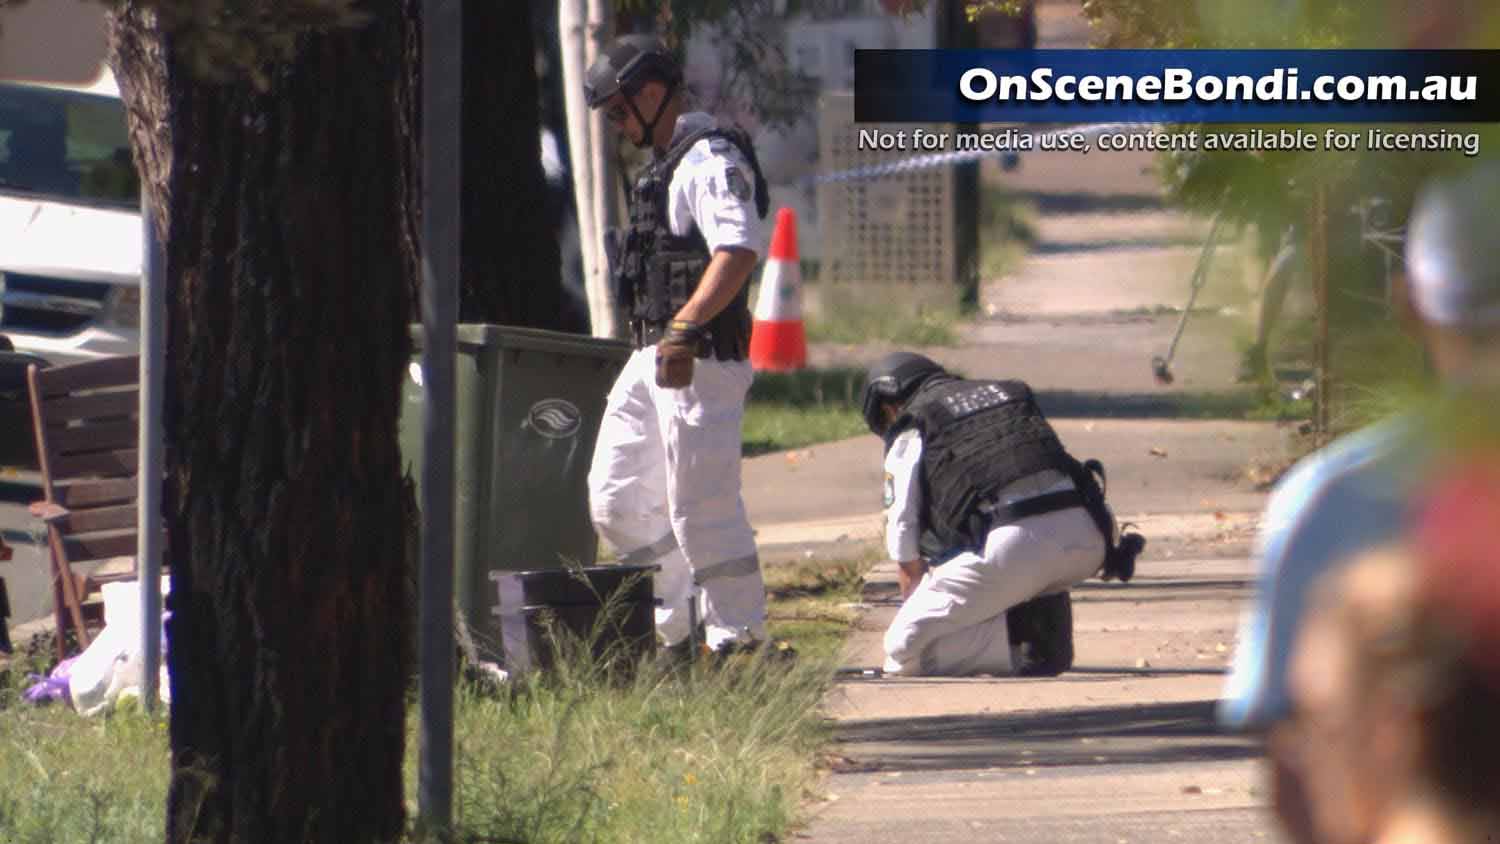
(1345, 499)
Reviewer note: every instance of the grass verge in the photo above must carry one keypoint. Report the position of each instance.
(811, 601)
(899, 314)
(1007, 228)
(796, 409)
(716, 755)
(72, 780)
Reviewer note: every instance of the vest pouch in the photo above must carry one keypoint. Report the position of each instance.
(1120, 547)
(671, 278)
(619, 257)
(977, 437)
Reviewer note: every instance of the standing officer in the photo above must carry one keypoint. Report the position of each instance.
(664, 487)
(985, 511)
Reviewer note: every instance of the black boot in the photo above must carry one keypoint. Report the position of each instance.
(1041, 635)
(673, 659)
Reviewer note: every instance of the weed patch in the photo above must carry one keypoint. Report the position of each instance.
(796, 409)
(581, 753)
(902, 315)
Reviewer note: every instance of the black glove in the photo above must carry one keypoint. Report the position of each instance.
(675, 353)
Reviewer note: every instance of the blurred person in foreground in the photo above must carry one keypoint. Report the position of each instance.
(1395, 681)
(1353, 495)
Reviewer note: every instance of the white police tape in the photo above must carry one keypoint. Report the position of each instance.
(949, 159)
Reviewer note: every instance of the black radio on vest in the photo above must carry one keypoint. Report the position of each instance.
(655, 271)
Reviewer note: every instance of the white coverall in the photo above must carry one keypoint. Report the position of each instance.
(664, 486)
(954, 622)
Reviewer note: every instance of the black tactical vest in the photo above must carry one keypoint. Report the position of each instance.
(657, 271)
(977, 438)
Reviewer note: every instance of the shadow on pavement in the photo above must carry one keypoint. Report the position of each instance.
(1074, 247)
(1139, 583)
(1049, 202)
(1161, 592)
(1063, 404)
(1115, 671)
(1162, 733)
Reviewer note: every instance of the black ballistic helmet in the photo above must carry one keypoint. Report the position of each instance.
(894, 378)
(627, 63)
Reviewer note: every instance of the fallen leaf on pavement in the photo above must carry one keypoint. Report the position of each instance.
(1158, 452)
(1191, 789)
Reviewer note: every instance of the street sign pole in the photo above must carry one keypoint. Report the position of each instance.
(442, 78)
(149, 444)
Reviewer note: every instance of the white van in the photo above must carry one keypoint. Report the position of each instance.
(70, 241)
(70, 230)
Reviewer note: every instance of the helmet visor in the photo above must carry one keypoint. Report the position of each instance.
(877, 392)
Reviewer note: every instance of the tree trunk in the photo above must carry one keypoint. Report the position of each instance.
(571, 20)
(511, 270)
(287, 265)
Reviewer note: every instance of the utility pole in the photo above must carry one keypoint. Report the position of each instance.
(1319, 254)
(442, 78)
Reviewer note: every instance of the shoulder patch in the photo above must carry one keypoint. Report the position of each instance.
(890, 490)
(735, 181)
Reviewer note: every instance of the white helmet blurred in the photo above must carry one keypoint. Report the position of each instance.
(1453, 249)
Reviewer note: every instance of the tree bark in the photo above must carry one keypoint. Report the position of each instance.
(288, 267)
(571, 21)
(511, 270)
(606, 192)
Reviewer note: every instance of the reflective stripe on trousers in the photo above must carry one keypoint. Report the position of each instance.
(667, 463)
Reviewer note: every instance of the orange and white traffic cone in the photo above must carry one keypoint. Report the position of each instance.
(778, 341)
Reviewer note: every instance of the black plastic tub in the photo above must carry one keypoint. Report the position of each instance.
(538, 609)
(587, 586)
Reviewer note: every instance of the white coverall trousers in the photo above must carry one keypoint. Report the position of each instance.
(954, 622)
(664, 489)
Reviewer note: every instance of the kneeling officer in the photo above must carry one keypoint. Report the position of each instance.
(990, 520)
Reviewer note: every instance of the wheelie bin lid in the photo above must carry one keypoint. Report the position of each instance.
(489, 335)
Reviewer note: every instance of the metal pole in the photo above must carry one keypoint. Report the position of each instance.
(1319, 237)
(442, 50)
(149, 477)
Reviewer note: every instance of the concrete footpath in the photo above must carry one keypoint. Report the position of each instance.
(1122, 748)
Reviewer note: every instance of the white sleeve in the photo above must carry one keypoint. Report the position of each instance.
(903, 497)
(714, 187)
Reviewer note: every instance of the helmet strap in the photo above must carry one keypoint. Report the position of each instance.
(648, 127)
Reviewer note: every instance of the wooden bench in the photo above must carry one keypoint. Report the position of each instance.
(86, 418)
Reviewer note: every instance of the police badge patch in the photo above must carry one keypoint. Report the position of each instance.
(735, 181)
(890, 490)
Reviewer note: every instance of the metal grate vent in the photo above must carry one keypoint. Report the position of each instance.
(896, 228)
